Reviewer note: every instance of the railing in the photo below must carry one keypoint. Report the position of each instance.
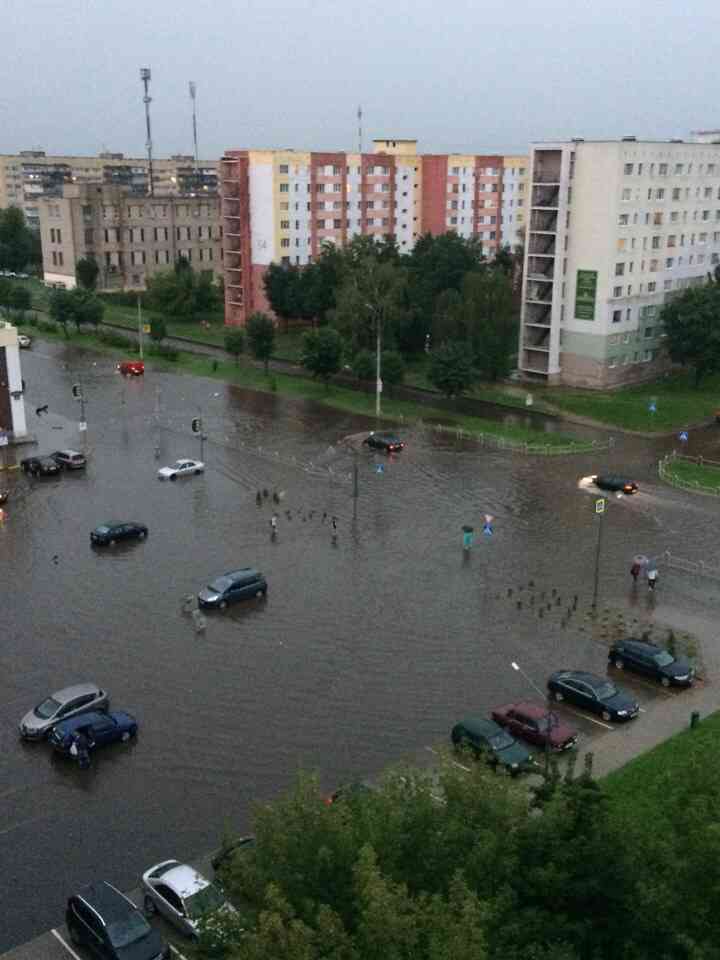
(665, 473)
(695, 567)
(519, 446)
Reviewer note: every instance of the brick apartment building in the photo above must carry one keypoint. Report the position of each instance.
(280, 206)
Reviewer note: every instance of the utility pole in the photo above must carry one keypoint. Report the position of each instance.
(600, 505)
(147, 100)
(79, 394)
(193, 93)
(140, 327)
(550, 715)
(356, 489)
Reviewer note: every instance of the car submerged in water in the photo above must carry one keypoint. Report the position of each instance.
(615, 483)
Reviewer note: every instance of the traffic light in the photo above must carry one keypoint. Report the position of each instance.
(77, 390)
(196, 425)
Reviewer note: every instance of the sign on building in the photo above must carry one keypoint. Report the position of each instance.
(585, 292)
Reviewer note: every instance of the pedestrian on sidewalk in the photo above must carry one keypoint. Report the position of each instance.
(635, 571)
(652, 578)
(273, 526)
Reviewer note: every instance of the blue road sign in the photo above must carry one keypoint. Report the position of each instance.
(487, 525)
(683, 435)
(379, 468)
(652, 407)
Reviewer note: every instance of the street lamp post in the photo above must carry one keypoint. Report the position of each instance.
(550, 716)
(600, 506)
(79, 395)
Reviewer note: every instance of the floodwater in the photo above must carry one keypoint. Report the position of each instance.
(364, 651)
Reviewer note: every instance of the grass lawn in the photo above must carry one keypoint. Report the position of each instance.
(248, 375)
(679, 403)
(687, 474)
(647, 785)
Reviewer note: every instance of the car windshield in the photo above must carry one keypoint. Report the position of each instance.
(220, 585)
(664, 659)
(204, 901)
(605, 690)
(103, 529)
(46, 709)
(500, 741)
(128, 930)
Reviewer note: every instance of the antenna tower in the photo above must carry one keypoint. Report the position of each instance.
(147, 100)
(359, 116)
(193, 92)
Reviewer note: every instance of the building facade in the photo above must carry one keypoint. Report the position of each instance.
(129, 236)
(615, 229)
(280, 206)
(12, 405)
(514, 200)
(29, 176)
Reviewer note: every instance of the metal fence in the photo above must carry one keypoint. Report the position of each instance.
(696, 567)
(520, 446)
(665, 473)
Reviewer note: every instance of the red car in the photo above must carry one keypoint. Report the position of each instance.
(534, 723)
(132, 368)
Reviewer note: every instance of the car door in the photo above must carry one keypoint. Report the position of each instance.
(587, 697)
(102, 732)
(643, 663)
(575, 692)
(88, 928)
(170, 905)
(525, 727)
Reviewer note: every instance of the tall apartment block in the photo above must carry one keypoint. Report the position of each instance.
(615, 229)
(129, 236)
(280, 206)
(514, 200)
(28, 176)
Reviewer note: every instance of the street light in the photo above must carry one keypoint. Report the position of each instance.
(551, 719)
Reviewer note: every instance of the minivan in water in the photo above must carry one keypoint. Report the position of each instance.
(234, 585)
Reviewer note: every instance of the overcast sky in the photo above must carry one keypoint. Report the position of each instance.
(458, 75)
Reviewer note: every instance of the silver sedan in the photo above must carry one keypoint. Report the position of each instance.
(182, 895)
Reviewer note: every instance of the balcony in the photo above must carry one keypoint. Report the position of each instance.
(542, 245)
(537, 314)
(546, 197)
(541, 269)
(543, 221)
(539, 291)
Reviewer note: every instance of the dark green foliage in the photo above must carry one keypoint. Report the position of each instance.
(20, 299)
(76, 306)
(691, 322)
(113, 339)
(163, 350)
(181, 293)
(86, 271)
(158, 329)
(235, 342)
(260, 332)
(19, 245)
(393, 367)
(363, 365)
(451, 368)
(322, 353)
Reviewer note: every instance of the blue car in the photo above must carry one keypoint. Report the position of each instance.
(98, 728)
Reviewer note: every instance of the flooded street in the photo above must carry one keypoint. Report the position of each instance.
(364, 650)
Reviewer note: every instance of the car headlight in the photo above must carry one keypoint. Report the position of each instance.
(514, 766)
(622, 713)
(685, 676)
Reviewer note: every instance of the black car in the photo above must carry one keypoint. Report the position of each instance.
(40, 466)
(384, 441)
(615, 483)
(70, 459)
(111, 926)
(489, 741)
(597, 694)
(230, 587)
(652, 661)
(111, 533)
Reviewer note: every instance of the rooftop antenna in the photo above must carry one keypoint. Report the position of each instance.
(193, 91)
(147, 99)
(359, 116)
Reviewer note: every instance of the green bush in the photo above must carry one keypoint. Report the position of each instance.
(164, 351)
(33, 320)
(46, 326)
(122, 298)
(363, 365)
(113, 339)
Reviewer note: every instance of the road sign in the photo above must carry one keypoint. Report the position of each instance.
(82, 426)
(683, 435)
(652, 407)
(528, 400)
(379, 468)
(600, 505)
(146, 328)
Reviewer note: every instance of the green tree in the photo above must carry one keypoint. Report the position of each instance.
(368, 302)
(393, 367)
(322, 352)
(88, 307)
(363, 365)
(181, 293)
(19, 245)
(86, 271)
(235, 342)
(61, 307)
(260, 332)
(158, 329)
(451, 368)
(691, 322)
(487, 309)
(6, 292)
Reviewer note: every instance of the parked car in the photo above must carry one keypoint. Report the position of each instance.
(597, 694)
(234, 585)
(61, 705)
(111, 533)
(652, 661)
(69, 459)
(384, 441)
(24, 341)
(615, 483)
(99, 728)
(181, 468)
(227, 852)
(40, 466)
(536, 724)
(181, 895)
(131, 368)
(104, 920)
(489, 741)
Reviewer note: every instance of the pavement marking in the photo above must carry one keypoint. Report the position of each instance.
(454, 762)
(66, 945)
(600, 723)
(174, 950)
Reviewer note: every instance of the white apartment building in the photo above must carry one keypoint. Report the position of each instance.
(615, 228)
(515, 200)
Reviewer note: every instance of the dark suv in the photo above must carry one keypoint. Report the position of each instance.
(40, 466)
(652, 661)
(111, 926)
(235, 585)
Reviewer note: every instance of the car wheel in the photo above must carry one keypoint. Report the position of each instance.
(606, 715)
(197, 472)
(126, 736)
(557, 696)
(665, 681)
(141, 535)
(149, 905)
(222, 605)
(74, 935)
(260, 593)
(173, 476)
(618, 663)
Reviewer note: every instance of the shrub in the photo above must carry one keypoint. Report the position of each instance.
(363, 365)
(46, 326)
(113, 339)
(164, 351)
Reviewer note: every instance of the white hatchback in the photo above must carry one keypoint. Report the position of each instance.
(181, 468)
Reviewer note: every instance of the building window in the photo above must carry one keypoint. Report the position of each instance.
(60, 258)
(284, 224)
(54, 258)
(284, 168)
(617, 291)
(285, 242)
(623, 219)
(662, 169)
(628, 169)
(616, 316)
(284, 188)
(626, 194)
(619, 269)
(660, 193)
(651, 286)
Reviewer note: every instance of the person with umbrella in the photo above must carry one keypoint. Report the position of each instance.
(640, 562)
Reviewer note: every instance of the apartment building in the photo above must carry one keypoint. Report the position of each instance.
(280, 206)
(129, 236)
(514, 200)
(615, 229)
(13, 424)
(27, 177)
